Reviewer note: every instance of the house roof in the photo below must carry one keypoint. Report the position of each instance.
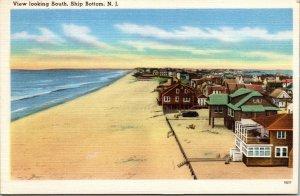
(200, 96)
(249, 96)
(218, 99)
(255, 87)
(276, 122)
(233, 106)
(174, 86)
(234, 86)
(276, 92)
(230, 81)
(247, 80)
(275, 84)
(253, 108)
(239, 92)
(271, 108)
(217, 87)
(257, 108)
(287, 80)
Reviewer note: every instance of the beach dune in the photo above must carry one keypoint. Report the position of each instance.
(117, 132)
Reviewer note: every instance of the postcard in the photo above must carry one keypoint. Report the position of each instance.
(148, 97)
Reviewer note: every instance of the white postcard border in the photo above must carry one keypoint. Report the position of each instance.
(144, 186)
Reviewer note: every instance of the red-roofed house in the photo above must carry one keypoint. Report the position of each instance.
(255, 87)
(216, 89)
(176, 97)
(264, 141)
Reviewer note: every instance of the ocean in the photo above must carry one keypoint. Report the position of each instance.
(33, 91)
(260, 72)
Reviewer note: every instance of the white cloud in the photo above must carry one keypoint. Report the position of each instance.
(57, 53)
(82, 35)
(225, 34)
(46, 37)
(141, 46)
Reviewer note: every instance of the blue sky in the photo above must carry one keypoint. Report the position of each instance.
(236, 38)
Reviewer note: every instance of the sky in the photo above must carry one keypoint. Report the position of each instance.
(183, 38)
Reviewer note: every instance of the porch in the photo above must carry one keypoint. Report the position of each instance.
(251, 133)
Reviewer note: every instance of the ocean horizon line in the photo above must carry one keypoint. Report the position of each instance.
(72, 69)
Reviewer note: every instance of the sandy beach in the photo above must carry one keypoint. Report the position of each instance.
(118, 132)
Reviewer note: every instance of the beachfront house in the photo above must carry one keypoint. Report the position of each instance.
(264, 141)
(163, 73)
(246, 104)
(280, 98)
(155, 72)
(176, 97)
(201, 99)
(217, 105)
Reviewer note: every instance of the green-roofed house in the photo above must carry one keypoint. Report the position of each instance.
(247, 104)
(217, 105)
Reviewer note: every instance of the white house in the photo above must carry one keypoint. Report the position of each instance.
(280, 98)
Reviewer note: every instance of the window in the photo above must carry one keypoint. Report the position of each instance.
(177, 90)
(218, 109)
(257, 100)
(281, 151)
(167, 98)
(230, 112)
(281, 134)
(185, 91)
(176, 99)
(259, 152)
(186, 99)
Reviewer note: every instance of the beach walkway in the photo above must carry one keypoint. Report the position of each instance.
(118, 132)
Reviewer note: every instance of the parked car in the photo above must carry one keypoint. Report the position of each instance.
(189, 114)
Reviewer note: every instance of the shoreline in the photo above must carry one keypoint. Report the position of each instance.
(118, 132)
(70, 99)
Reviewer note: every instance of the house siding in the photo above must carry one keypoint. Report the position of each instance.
(274, 161)
(213, 114)
(180, 104)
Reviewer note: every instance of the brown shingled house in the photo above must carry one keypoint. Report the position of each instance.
(245, 104)
(264, 141)
(232, 85)
(176, 97)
